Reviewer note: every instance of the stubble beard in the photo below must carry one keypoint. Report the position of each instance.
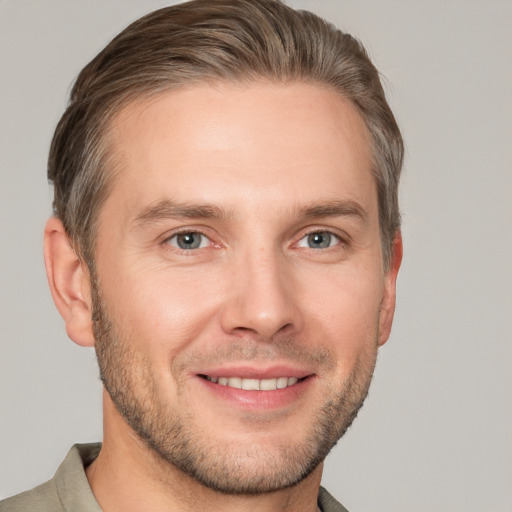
(225, 468)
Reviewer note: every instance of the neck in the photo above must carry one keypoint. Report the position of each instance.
(127, 476)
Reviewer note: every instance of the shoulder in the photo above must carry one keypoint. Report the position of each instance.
(328, 503)
(43, 498)
(67, 491)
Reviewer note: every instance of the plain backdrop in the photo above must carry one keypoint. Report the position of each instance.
(436, 431)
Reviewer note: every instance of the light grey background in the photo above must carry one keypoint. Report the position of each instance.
(436, 431)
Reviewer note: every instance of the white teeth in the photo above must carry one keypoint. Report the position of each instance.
(282, 382)
(250, 384)
(268, 384)
(254, 384)
(235, 382)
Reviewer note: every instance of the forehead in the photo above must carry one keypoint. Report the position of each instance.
(232, 144)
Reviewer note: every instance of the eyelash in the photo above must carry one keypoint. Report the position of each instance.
(339, 240)
(196, 232)
(329, 235)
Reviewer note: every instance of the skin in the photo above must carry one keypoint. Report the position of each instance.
(275, 163)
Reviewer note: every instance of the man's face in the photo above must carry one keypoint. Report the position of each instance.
(240, 293)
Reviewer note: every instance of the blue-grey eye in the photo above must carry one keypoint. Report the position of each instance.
(319, 240)
(189, 240)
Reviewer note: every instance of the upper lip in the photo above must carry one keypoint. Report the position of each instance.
(254, 372)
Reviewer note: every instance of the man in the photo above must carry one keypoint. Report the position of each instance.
(226, 235)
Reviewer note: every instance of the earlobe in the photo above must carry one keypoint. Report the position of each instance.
(387, 309)
(69, 283)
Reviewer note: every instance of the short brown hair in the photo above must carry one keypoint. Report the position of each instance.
(207, 40)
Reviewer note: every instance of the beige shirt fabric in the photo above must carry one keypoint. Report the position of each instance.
(69, 490)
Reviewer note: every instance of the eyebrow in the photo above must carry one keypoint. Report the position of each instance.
(168, 209)
(335, 208)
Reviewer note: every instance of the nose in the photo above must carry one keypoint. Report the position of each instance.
(261, 300)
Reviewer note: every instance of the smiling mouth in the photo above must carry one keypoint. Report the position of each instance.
(254, 384)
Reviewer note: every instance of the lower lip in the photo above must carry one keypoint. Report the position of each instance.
(254, 400)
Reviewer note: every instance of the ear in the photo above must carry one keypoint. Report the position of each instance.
(387, 306)
(69, 283)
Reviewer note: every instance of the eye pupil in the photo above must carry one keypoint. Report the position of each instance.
(319, 240)
(189, 240)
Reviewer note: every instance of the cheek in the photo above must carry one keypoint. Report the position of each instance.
(346, 310)
(162, 310)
